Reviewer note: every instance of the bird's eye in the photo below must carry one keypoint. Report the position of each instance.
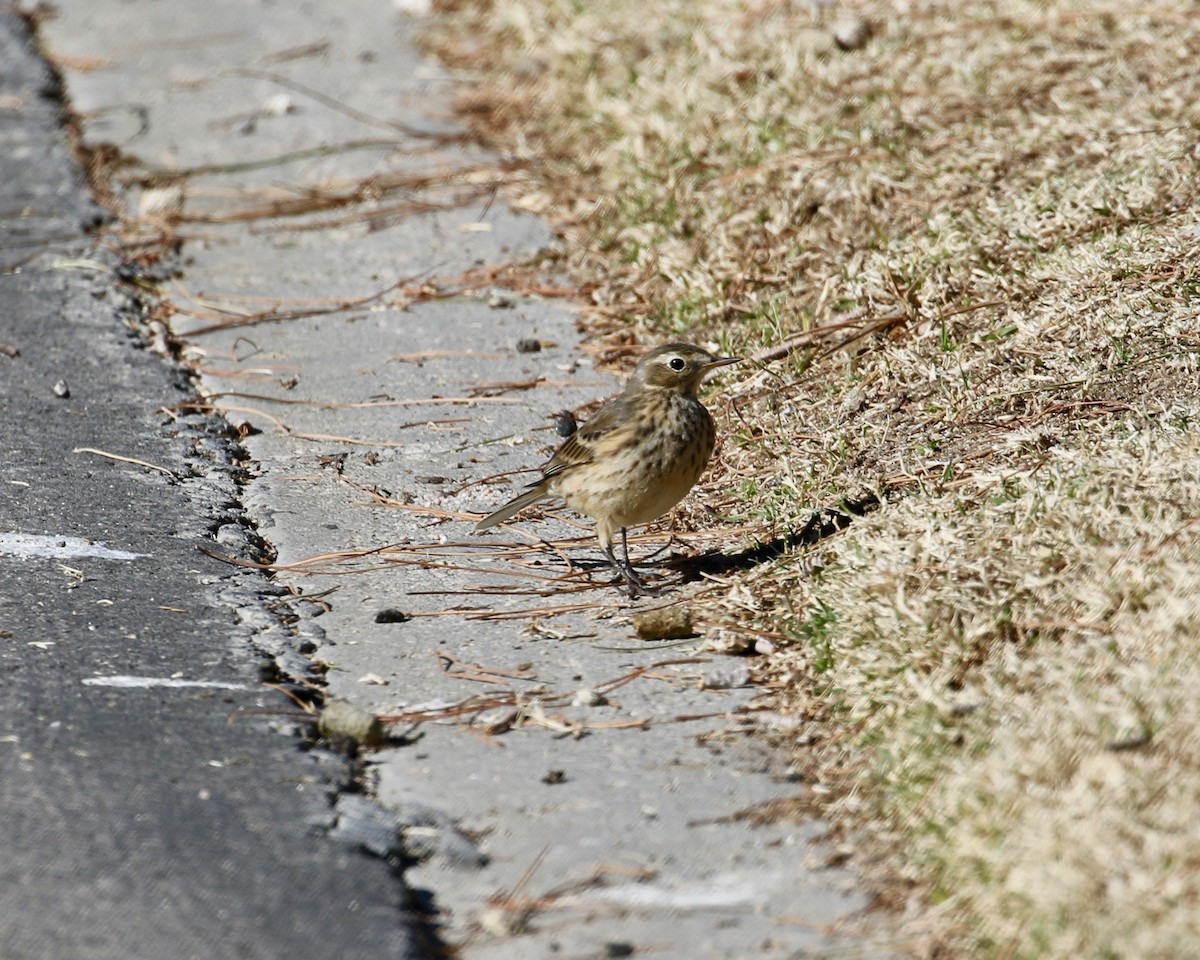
(676, 363)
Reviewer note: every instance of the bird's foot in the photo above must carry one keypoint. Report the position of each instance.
(626, 572)
(634, 583)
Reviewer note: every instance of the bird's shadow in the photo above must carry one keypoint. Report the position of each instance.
(821, 525)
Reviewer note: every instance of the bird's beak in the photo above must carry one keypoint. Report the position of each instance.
(720, 362)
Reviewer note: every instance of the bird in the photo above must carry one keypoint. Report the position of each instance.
(636, 457)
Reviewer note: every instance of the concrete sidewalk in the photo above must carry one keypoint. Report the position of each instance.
(344, 299)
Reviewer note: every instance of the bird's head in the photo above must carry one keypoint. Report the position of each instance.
(677, 367)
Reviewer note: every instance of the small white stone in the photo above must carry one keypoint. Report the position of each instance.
(278, 105)
(587, 697)
(500, 921)
(851, 33)
(160, 202)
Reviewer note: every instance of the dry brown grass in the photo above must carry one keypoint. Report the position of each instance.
(998, 669)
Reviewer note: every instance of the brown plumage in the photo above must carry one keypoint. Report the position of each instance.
(638, 455)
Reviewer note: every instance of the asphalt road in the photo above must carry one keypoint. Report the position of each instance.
(138, 821)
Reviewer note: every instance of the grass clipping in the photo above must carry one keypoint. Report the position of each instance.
(966, 253)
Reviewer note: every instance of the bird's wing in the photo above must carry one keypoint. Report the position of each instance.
(581, 446)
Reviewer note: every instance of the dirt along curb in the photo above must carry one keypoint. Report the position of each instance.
(568, 787)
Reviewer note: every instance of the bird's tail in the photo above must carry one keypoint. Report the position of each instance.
(513, 507)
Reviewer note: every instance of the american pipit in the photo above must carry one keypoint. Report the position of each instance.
(637, 456)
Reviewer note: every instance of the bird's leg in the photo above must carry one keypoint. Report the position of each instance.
(636, 587)
(625, 570)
